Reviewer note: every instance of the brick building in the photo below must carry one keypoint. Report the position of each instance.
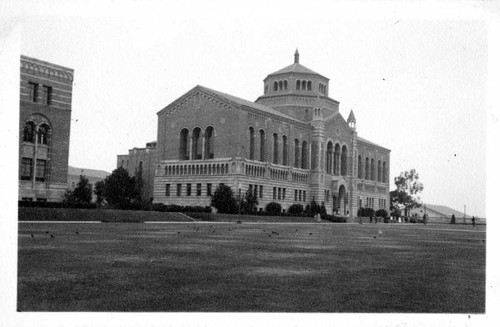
(289, 146)
(44, 129)
(140, 162)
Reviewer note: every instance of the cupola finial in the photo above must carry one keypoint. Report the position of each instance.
(296, 56)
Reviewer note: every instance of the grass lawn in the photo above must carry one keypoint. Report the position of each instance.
(219, 267)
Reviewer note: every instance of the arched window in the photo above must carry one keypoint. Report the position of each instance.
(43, 134)
(303, 85)
(329, 157)
(183, 145)
(252, 143)
(209, 142)
(298, 85)
(336, 159)
(196, 150)
(285, 85)
(285, 150)
(262, 145)
(343, 161)
(367, 168)
(360, 167)
(275, 148)
(304, 155)
(275, 86)
(280, 85)
(297, 154)
(379, 171)
(29, 132)
(372, 166)
(309, 86)
(384, 172)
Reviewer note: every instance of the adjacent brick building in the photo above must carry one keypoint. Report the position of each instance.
(289, 146)
(140, 162)
(44, 129)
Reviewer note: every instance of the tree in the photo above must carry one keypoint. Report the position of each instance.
(99, 191)
(250, 203)
(407, 188)
(120, 189)
(223, 200)
(82, 192)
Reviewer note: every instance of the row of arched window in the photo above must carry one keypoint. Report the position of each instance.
(33, 132)
(301, 159)
(322, 88)
(336, 159)
(280, 85)
(372, 171)
(303, 85)
(197, 145)
(204, 169)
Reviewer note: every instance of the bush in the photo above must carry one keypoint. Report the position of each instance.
(273, 208)
(334, 219)
(366, 212)
(296, 209)
(381, 213)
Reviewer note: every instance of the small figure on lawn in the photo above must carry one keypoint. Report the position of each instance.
(425, 219)
(473, 221)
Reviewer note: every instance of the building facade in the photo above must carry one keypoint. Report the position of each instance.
(44, 129)
(289, 146)
(140, 162)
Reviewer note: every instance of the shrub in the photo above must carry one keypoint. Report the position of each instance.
(296, 209)
(366, 212)
(381, 213)
(273, 208)
(223, 200)
(334, 219)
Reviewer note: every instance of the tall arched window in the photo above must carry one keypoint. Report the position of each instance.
(183, 145)
(252, 143)
(384, 172)
(275, 148)
(367, 168)
(304, 155)
(209, 142)
(360, 167)
(309, 86)
(379, 171)
(343, 161)
(196, 151)
(285, 85)
(29, 132)
(285, 150)
(372, 166)
(303, 85)
(262, 145)
(296, 163)
(275, 86)
(298, 85)
(329, 158)
(336, 159)
(43, 134)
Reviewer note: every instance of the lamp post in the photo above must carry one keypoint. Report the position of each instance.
(239, 198)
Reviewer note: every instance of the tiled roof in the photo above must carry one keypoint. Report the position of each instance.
(371, 143)
(247, 103)
(294, 68)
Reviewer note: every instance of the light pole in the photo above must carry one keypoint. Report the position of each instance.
(239, 198)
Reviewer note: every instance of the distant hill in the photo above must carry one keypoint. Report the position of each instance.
(75, 171)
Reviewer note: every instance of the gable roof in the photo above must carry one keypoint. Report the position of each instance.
(371, 143)
(238, 101)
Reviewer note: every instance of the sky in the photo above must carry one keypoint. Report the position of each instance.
(416, 78)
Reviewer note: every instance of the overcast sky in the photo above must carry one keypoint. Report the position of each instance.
(415, 78)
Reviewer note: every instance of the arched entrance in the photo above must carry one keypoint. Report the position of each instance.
(340, 202)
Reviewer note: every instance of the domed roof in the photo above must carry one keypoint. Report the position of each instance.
(296, 67)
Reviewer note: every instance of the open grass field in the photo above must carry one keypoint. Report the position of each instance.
(220, 267)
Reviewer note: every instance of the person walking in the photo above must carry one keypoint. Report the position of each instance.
(473, 221)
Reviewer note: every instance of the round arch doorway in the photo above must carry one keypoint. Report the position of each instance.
(340, 202)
